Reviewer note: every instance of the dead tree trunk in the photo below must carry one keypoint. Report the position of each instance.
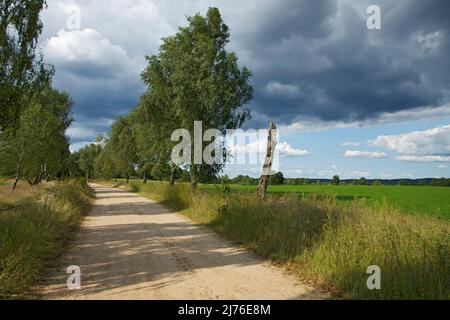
(267, 169)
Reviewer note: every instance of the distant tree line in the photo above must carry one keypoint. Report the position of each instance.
(278, 179)
(442, 182)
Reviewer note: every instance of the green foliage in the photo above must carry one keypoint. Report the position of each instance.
(442, 182)
(404, 183)
(244, 180)
(37, 147)
(297, 181)
(33, 235)
(123, 147)
(193, 78)
(73, 166)
(225, 180)
(87, 158)
(336, 181)
(362, 181)
(109, 157)
(22, 72)
(377, 183)
(422, 183)
(276, 179)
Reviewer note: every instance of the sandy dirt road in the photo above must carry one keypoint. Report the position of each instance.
(132, 248)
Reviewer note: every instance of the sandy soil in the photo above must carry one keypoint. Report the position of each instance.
(132, 248)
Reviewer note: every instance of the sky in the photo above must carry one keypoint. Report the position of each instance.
(347, 100)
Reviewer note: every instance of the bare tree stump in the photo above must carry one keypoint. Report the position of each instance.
(267, 169)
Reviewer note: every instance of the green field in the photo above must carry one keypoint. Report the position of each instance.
(433, 201)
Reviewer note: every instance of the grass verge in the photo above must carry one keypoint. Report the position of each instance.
(324, 242)
(35, 227)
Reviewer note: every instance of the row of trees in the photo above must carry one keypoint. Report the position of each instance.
(33, 116)
(442, 182)
(192, 78)
(279, 179)
(275, 179)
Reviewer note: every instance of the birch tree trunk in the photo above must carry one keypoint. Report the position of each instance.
(17, 173)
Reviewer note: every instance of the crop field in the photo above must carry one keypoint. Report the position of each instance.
(423, 200)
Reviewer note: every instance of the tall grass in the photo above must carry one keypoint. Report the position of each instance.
(23, 194)
(34, 233)
(327, 243)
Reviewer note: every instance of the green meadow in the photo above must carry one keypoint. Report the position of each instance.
(423, 200)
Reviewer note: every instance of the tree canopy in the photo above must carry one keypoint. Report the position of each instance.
(37, 146)
(22, 71)
(192, 78)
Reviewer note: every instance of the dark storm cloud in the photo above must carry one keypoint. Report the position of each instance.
(308, 58)
(284, 19)
(414, 15)
(343, 71)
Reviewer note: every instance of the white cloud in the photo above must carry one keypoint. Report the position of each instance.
(326, 173)
(76, 132)
(360, 174)
(350, 144)
(88, 129)
(260, 147)
(364, 154)
(434, 141)
(407, 175)
(287, 150)
(415, 158)
(145, 20)
(86, 52)
(283, 90)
